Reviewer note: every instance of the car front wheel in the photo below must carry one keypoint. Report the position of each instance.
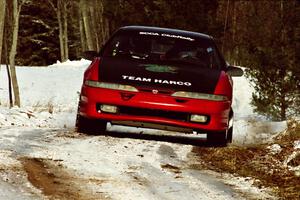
(90, 126)
(218, 139)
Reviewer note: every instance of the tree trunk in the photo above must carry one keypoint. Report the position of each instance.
(62, 19)
(93, 28)
(60, 28)
(13, 51)
(65, 30)
(103, 24)
(86, 24)
(225, 26)
(2, 17)
(82, 33)
(9, 87)
(6, 58)
(283, 101)
(234, 40)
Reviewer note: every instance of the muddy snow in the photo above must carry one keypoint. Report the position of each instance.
(42, 157)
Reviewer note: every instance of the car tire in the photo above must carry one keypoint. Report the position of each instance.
(90, 126)
(217, 139)
(230, 128)
(229, 135)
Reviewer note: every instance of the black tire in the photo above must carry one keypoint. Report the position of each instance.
(217, 139)
(230, 129)
(90, 126)
(229, 135)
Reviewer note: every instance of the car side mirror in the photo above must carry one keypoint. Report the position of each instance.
(90, 55)
(235, 71)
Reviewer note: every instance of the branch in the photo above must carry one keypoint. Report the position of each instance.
(52, 5)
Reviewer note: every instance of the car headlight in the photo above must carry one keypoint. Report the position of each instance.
(196, 95)
(112, 86)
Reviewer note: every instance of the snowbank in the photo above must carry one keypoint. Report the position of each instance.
(249, 127)
(242, 94)
(55, 86)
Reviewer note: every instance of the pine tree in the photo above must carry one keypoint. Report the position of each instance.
(272, 55)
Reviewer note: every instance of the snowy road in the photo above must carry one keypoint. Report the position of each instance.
(100, 167)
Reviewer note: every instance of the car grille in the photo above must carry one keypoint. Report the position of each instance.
(126, 110)
(154, 113)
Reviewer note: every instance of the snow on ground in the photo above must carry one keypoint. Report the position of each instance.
(138, 169)
(135, 167)
(249, 127)
(42, 87)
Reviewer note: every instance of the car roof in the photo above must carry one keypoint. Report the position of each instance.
(167, 31)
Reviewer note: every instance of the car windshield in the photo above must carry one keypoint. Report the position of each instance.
(163, 48)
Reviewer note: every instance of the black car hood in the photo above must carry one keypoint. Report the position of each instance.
(165, 76)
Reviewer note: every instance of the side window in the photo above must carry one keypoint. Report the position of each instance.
(115, 47)
(112, 48)
(119, 44)
(212, 57)
(217, 62)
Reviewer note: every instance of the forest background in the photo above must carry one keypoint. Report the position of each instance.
(262, 35)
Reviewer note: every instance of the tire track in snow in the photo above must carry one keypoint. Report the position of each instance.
(55, 182)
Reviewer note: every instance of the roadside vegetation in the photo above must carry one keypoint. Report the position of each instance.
(275, 165)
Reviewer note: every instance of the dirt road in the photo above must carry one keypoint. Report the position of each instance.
(61, 164)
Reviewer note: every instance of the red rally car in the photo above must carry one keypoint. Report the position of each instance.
(159, 78)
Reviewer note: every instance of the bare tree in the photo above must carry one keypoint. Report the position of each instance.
(11, 103)
(103, 24)
(82, 31)
(2, 17)
(16, 6)
(86, 23)
(62, 17)
(94, 27)
(5, 44)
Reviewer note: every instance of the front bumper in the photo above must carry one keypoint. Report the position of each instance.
(149, 108)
